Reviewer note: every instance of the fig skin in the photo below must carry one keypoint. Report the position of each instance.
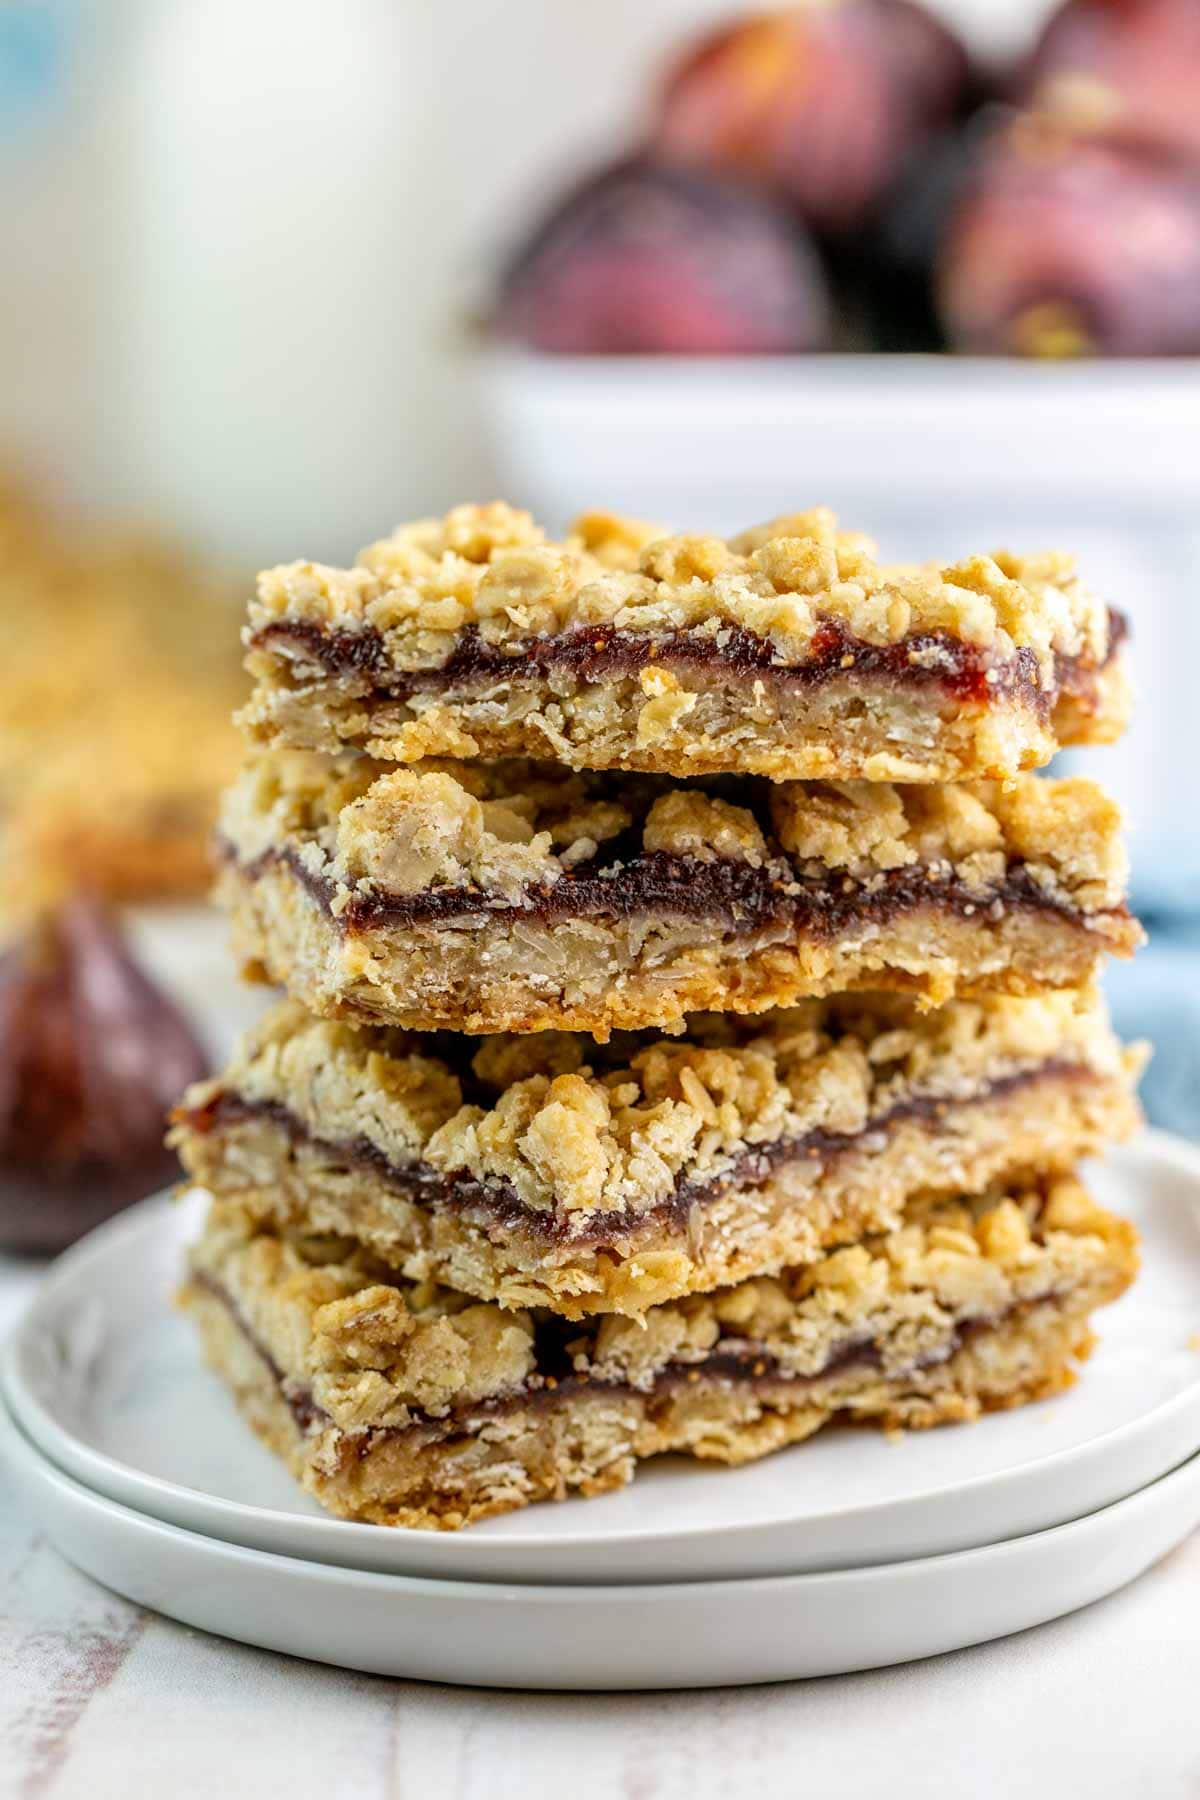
(1127, 69)
(825, 103)
(1067, 246)
(92, 1056)
(640, 259)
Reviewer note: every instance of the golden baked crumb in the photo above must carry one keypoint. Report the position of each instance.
(492, 566)
(503, 826)
(966, 1305)
(589, 1178)
(519, 896)
(787, 651)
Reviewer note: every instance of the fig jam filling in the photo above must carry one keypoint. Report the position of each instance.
(603, 652)
(555, 1379)
(500, 1205)
(738, 897)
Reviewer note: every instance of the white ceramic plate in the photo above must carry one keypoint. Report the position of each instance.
(104, 1377)
(689, 1634)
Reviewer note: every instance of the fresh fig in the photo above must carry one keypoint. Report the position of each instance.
(1069, 246)
(645, 259)
(824, 102)
(1128, 69)
(92, 1056)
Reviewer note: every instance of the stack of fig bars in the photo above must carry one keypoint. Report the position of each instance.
(691, 1033)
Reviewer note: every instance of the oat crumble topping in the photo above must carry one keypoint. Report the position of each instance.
(507, 827)
(375, 1351)
(574, 1128)
(493, 568)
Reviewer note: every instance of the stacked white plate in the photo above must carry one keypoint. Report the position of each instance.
(844, 1553)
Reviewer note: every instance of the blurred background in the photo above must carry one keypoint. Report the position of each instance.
(281, 273)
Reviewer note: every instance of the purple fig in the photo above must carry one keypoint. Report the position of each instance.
(92, 1056)
(645, 259)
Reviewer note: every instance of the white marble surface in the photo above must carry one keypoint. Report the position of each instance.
(102, 1701)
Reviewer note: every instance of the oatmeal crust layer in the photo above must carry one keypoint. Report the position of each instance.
(547, 1171)
(787, 652)
(408, 1405)
(524, 897)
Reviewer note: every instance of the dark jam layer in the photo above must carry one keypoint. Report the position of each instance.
(499, 1203)
(555, 1379)
(604, 653)
(739, 899)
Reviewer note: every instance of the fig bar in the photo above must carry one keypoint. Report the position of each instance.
(548, 1171)
(520, 896)
(787, 652)
(406, 1404)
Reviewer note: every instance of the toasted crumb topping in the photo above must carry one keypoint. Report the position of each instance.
(573, 1128)
(506, 827)
(1065, 832)
(905, 1293)
(372, 1352)
(688, 823)
(492, 568)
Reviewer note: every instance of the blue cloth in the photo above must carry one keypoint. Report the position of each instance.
(35, 48)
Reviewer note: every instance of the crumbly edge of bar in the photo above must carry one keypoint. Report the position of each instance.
(373, 1353)
(686, 719)
(753, 1223)
(590, 1441)
(573, 1130)
(500, 831)
(493, 569)
(600, 975)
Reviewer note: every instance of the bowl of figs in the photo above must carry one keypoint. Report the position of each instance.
(846, 263)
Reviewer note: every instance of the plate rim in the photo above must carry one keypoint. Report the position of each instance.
(22, 1402)
(575, 1593)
